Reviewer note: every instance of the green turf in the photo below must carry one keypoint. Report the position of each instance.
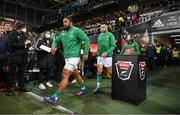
(163, 92)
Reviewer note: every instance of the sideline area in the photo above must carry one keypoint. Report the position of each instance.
(163, 92)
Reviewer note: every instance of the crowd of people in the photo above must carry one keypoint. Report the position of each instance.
(21, 51)
(13, 58)
(127, 18)
(21, 56)
(118, 19)
(17, 44)
(16, 49)
(160, 56)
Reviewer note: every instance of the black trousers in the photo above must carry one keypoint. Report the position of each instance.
(175, 61)
(45, 75)
(17, 71)
(158, 61)
(150, 63)
(5, 74)
(89, 68)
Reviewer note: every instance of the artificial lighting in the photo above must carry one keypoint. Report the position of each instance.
(173, 36)
(176, 39)
(177, 42)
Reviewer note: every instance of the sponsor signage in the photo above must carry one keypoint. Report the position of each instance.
(124, 69)
(166, 22)
(142, 70)
(129, 78)
(161, 23)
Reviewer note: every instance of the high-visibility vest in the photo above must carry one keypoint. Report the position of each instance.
(175, 54)
(158, 49)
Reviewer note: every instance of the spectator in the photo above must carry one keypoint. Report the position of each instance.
(7, 27)
(18, 55)
(89, 68)
(164, 56)
(60, 62)
(4, 57)
(150, 54)
(169, 57)
(175, 56)
(158, 58)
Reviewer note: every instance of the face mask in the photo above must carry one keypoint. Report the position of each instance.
(129, 38)
(24, 30)
(47, 35)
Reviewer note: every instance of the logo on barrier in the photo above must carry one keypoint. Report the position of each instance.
(124, 69)
(158, 23)
(172, 18)
(142, 70)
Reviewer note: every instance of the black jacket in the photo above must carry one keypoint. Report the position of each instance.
(16, 47)
(45, 59)
(3, 51)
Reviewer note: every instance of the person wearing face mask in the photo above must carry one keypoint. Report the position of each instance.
(45, 61)
(17, 46)
(106, 45)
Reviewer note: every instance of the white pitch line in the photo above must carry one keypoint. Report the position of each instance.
(58, 107)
